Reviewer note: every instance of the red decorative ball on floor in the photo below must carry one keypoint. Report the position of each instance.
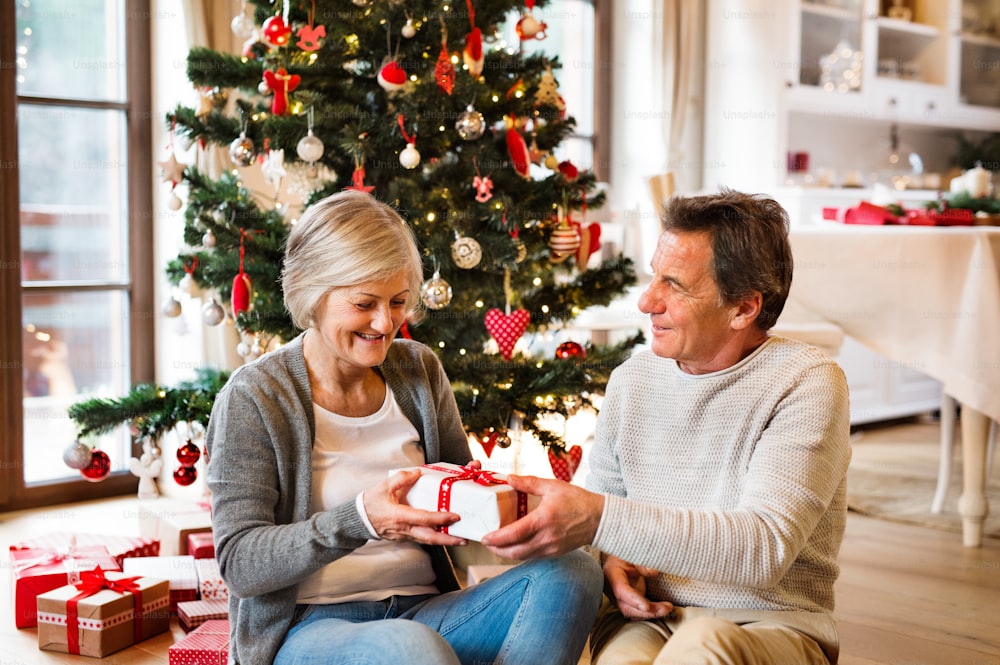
(185, 475)
(188, 454)
(99, 467)
(570, 350)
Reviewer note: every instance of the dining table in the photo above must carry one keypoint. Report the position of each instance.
(927, 297)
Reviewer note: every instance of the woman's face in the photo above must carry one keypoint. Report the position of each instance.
(356, 324)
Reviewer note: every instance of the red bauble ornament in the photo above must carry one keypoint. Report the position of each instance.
(188, 454)
(185, 475)
(99, 467)
(570, 350)
(276, 31)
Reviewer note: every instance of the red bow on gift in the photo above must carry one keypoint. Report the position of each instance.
(479, 476)
(91, 582)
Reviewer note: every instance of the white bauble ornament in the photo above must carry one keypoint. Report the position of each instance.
(436, 293)
(174, 202)
(309, 148)
(410, 157)
(409, 30)
(77, 455)
(212, 313)
(466, 253)
(242, 151)
(263, 88)
(242, 26)
(171, 308)
(208, 239)
(470, 124)
(187, 284)
(243, 349)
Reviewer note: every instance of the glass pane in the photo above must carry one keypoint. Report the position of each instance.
(75, 348)
(71, 50)
(73, 193)
(569, 33)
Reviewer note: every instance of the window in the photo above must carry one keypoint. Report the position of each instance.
(75, 144)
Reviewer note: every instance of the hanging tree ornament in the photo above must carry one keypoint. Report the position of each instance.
(409, 29)
(212, 313)
(242, 25)
(563, 242)
(77, 455)
(171, 308)
(436, 293)
(444, 69)
(280, 83)
(548, 91)
(409, 157)
(470, 124)
(310, 148)
(242, 150)
(242, 287)
(187, 283)
(472, 54)
(528, 27)
(466, 252)
(517, 148)
(98, 468)
(276, 31)
(309, 35)
(520, 250)
(208, 239)
(392, 76)
(507, 327)
(358, 176)
(484, 186)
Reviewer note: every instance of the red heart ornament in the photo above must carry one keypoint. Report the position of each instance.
(507, 329)
(590, 242)
(488, 440)
(565, 464)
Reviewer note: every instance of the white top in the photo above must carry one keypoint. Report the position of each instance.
(350, 455)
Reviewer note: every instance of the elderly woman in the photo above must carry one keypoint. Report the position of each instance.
(324, 561)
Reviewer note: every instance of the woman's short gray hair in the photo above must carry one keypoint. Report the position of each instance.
(346, 239)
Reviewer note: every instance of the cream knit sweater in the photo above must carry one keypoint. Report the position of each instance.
(732, 484)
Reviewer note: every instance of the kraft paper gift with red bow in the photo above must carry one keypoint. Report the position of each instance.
(483, 499)
(35, 571)
(103, 613)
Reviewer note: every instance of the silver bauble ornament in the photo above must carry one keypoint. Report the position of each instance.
(470, 124)
(466, 253)
(171, 308)
(208, 239)
(436, 293)
(309, 148)
(409, 30)
(212, 313)
(242, 151)
(410, 157)
(77, 455)
(263, 88)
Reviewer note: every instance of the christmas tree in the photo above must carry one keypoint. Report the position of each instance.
(420, 104)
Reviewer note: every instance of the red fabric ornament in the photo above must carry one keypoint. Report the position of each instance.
(569, 171)
(517, 147)
(570, 350)
(472, 55)
(280, 83)
(276, 31)
(188, 454)
(444, 71)
(358, 181)
(488, 440)
(185, 475)
(565, 463)
(590, 242)
(309, 37)
(506, 329)
(99, 467)
(242, 288)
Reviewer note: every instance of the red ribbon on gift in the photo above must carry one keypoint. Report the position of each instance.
(92, 581)
(479, 476)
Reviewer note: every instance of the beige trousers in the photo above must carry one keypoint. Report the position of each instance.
(701, 636)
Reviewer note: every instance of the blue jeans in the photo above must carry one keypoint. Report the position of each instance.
(538, 612)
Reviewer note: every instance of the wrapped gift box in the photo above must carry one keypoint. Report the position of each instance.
(178, 570)
(193, 613)
(120, 547)
(208, 644)
(172, 521)
(35, 571)
(483, 499)
(201, 545)
(210, 584)
(104, 613)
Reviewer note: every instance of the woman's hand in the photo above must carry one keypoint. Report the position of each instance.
(625, 583)
(393, 519)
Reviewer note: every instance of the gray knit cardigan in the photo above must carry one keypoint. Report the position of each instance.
(260, 439)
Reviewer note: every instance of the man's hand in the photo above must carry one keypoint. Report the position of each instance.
(566, 518)
(625, 583)
(393, 519)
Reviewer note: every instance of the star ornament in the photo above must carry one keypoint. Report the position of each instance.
(173, 171)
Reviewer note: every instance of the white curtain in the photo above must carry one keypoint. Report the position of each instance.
(678, 77)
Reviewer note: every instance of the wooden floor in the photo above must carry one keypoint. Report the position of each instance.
(906, 595)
